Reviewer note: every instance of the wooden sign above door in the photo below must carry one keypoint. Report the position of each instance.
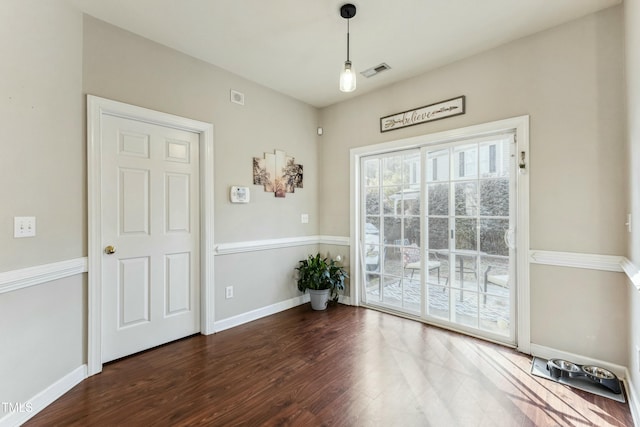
(428, 113)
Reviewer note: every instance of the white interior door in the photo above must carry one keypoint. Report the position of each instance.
(150, 235)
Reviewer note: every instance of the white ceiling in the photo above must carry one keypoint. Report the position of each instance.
(298, 47)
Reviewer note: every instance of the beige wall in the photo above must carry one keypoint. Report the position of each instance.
(580, 311)
(122, 66)
(632, 17)
(570, 81)
(258, 277)
(42, 328)
(43, 149)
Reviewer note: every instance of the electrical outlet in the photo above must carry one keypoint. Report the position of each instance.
(304, 218)
(229, 292)
(24, 226)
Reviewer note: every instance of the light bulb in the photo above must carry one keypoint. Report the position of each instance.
(347, 78)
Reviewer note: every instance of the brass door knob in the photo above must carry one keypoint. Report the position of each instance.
(110, 250)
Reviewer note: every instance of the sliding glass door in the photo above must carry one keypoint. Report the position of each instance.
(470, 212)
(438, 234)
(391, 230)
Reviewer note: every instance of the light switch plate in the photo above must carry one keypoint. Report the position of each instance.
(24, 226)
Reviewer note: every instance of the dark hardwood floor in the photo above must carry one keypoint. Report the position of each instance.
(345, 366)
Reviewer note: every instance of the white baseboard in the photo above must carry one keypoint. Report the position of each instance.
(345, 299)
(45, 398)
(552, 353)
(259, 313)
(632, 397)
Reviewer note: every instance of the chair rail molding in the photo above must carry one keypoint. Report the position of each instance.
(632, 271)
(614, 263)
(577, 260)
(285, 242)
(39, 274)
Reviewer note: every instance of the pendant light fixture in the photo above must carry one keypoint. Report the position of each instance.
(348, 74)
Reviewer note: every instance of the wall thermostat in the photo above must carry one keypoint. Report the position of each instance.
(239, 194)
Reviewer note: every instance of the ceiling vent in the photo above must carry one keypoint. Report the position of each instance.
(375, 70)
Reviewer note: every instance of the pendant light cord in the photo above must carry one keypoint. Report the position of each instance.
(348, 39)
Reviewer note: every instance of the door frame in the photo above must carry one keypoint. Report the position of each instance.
(520, 125)
(97, 108)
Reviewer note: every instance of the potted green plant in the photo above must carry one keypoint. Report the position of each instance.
(323, 279)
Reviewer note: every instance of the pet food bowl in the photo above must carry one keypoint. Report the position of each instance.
(563, 368)
(603, 376)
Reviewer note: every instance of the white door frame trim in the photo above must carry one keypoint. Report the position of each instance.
(97, 108)
(521, 126)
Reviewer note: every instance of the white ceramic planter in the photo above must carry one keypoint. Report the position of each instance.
(319, 299)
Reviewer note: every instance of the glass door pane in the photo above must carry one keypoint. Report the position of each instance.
(469, 218)
(392, 231)
(450, 259)
(437, 226)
